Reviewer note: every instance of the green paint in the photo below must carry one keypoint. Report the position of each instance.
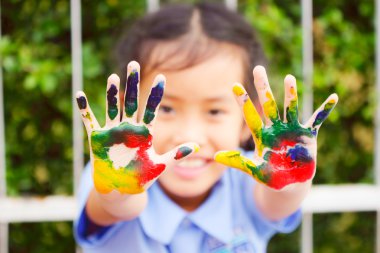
(112, 101)
(292, 111)
(182, 152)
(279, 131)
(103, 139)
(257, 171)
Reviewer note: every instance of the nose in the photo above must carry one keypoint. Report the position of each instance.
(191, 130)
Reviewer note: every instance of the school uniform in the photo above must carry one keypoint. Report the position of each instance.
(228, 221)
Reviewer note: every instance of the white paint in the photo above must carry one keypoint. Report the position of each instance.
(121, 155)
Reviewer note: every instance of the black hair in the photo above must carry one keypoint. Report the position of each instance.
(213, 22)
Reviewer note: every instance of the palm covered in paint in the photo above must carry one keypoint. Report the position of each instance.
(285, 151)
(122, 155)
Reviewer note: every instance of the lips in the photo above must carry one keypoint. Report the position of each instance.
(191, 167)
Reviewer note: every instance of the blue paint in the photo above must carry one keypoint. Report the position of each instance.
(153, 101)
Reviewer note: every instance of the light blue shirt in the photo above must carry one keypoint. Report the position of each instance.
(228, 221)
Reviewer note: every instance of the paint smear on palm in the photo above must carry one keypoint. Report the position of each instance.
(133, 177)
(287, 164)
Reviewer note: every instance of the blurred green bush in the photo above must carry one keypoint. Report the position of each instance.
(36, 60)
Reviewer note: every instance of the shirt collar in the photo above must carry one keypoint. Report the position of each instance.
(162, 216)
(214, 216)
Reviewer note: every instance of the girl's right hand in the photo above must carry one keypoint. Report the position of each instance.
(122, 156)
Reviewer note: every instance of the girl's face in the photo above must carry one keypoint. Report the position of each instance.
(198, 106)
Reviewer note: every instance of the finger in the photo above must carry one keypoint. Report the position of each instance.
(235, 160)
(179, 152)
(113, 103)
(154, 99)
(322, 113)
(251, 116)
(132, 91)
(291, 100)
(88, 117)
(265, 95)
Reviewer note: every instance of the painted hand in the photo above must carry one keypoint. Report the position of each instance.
(285, 151)
(122, 155)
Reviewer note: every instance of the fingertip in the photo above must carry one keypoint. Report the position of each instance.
(333, 98)
(113, 78)
(289, 79)
(183, 151)
(258, 70)
(133, 66)
(238, 89)
(221, 156)
(79, 93)
(81, 100)
(160, 79)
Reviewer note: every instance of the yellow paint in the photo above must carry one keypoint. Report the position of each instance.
(196, 148)
(238, 90)
(252, 118)
(293, 92)
(270, 107)
(235, 160)
(87, 116)
(107, 179)
(254, 123)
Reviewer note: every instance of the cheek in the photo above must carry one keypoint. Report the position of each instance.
(227, 134)
(162, 133)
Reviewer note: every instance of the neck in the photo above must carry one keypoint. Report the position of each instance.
(187, 203)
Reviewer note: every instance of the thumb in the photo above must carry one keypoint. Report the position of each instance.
(235, 160)
(179, 152)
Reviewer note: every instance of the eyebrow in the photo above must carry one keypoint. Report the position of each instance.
(221, 98)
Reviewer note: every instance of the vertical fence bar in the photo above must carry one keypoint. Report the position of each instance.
(153, 5)
(3, 182)
(307, 58)
(377, 117)
(77, 84)
(231, 4)
(307, 106)
(307, 233)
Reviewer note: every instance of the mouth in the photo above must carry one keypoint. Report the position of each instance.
(191, 168)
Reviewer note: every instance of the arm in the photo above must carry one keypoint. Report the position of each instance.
(276, 205)
(124, 163)
(105, 211)
(284, 160)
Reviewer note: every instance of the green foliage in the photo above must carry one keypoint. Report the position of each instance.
(36, 60)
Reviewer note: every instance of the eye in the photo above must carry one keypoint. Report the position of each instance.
(166, 109)
(215, 112)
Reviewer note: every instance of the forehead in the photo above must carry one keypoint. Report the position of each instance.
(213, 76)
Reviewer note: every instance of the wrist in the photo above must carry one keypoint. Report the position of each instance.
(107, 209)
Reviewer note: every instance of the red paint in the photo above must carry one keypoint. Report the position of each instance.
(284, 170)
(146, 169)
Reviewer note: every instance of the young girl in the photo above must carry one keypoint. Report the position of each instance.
(148, 188)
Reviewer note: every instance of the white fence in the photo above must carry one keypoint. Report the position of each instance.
(322, 199)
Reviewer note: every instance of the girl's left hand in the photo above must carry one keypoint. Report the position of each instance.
(285, 151)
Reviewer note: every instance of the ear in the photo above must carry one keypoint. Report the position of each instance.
(245, 133)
